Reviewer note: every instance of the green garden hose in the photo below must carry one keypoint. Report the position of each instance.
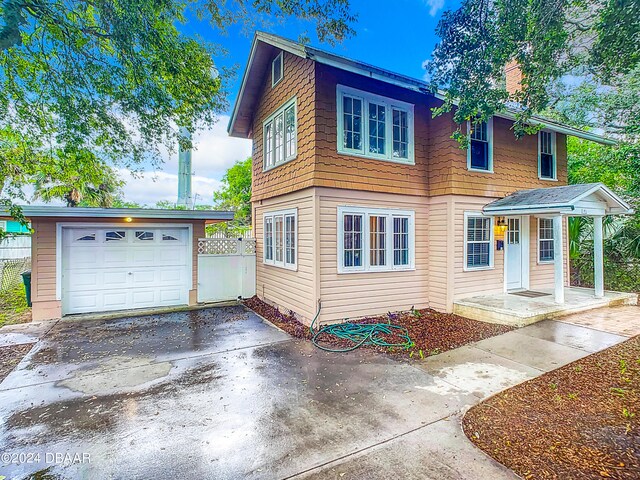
(361, 334)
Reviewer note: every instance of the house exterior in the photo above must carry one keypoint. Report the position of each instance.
(13, 227)
(363, 204)
(87, 260)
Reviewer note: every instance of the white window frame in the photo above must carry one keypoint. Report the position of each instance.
(292, 212)
(468, 215)
(554, 152)
(366, 213)
(389, 104)
(275, 82)
(287, 156)
(490, 149)
(539, 239)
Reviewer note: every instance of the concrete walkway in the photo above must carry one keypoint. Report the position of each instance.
(220, 394)
(624, 320)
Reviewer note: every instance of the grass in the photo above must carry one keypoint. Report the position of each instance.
(13, 306)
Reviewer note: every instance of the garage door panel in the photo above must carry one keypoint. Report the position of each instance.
(115, 300)
(143, 298)
(169, 296)
(100, 275)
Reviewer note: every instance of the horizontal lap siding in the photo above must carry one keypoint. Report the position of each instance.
(469, 283)
(353, 295)
(439, 259)
(288, 289)
(543, 275)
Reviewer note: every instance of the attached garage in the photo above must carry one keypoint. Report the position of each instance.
(87, 260)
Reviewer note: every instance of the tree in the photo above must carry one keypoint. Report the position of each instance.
(78, 178)
(118, 79)
(235, 193)
(595, 41)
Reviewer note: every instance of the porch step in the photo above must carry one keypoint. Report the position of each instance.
(517, 311)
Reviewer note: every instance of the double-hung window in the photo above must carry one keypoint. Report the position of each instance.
(480, 149)
(280, 135)
(280, 238)
(545, 240)
(373, 126)
(547, 155)
(478, 239)
(375, 239)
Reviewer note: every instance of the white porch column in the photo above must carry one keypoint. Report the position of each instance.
(598, 257)
(558, 259)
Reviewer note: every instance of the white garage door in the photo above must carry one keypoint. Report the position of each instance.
(122, 268)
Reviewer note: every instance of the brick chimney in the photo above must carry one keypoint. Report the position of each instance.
(514, 76)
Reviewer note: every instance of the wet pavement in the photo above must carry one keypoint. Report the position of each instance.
(218, 393)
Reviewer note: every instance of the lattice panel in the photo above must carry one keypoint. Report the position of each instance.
(218, 246)
(249, 246)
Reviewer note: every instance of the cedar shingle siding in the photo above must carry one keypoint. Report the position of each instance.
(440, 164)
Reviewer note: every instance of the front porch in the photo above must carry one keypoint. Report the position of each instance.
(513, 308)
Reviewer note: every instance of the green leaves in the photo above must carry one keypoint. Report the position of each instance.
(235, 193)
(549, 39)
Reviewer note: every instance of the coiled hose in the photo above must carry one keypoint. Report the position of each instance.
(360, 334)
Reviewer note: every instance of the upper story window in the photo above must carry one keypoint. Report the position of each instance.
(480, 149)
(547, 155)
(478, 240)
(280, 238)
(375, 239)
(277, 69)
(280, 135)
(374, 126)
(545, 240)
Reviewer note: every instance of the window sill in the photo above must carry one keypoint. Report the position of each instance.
(409, 161)
(477, 170)
(291, 268)
(478, 269)
(394, 270)
(546, 262)
(266, 169)
(548, 179)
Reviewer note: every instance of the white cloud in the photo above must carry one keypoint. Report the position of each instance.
(435, 6)
(214, 152)
(151, 187)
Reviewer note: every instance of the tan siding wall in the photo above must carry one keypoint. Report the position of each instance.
(298, 81)
(290, 290)
(362, 294)
(43, 248)
(468, 283)
(542, 274)
(440, 259)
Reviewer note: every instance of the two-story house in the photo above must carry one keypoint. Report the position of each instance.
(364, 204)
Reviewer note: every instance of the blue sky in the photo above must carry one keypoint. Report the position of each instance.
(398, 36)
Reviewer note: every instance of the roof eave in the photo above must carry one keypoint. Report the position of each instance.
(147, 213)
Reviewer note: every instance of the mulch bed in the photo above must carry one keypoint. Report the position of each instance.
(10, 356)
(580, 421)
(432, 332)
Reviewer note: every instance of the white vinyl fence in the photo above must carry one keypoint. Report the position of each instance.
(18, 246)
(226, 269)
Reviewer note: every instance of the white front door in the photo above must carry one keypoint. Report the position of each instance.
(119, 268)
(513, 253)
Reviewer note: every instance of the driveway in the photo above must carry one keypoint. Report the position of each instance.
(218, 393)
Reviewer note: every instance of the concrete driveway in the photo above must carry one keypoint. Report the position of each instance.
(218, 393)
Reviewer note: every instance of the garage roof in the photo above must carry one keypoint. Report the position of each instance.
(31, 211)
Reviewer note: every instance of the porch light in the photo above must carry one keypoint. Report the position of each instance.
(501, 226)
(128, 219)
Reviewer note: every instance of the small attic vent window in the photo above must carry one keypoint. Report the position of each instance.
(277, 70)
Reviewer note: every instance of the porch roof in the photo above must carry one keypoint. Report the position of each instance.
(586, 199)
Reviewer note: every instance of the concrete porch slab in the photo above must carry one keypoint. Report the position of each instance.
(510, 309)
